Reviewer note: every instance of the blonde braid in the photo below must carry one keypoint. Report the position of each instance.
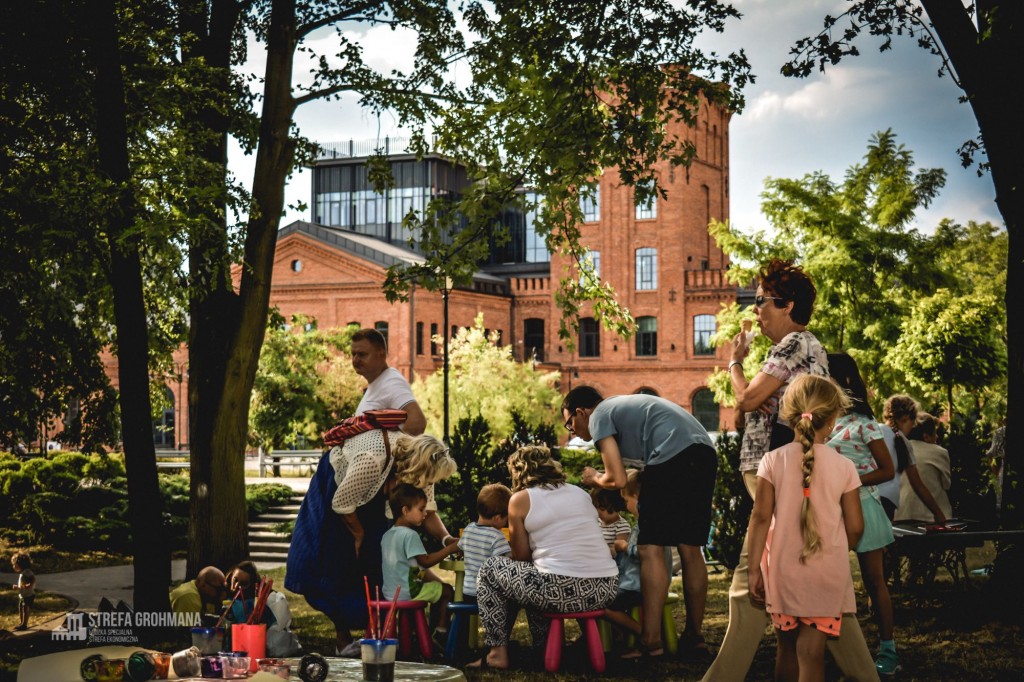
(808, 524)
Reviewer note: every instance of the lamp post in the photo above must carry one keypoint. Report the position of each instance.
(182, 369)
(445, 292)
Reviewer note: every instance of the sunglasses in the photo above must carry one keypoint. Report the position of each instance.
(759, 300)
(568, 424)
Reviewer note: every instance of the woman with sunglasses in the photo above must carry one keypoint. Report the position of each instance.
(784, 303)
(337, 536)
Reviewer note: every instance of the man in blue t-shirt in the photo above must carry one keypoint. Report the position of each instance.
(678, 481)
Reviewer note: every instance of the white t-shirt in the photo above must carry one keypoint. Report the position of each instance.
(890, 490)
(565, 534)
(389, 391)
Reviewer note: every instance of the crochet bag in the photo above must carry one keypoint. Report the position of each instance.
(367, 421)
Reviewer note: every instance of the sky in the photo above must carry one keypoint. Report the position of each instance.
(790, 127)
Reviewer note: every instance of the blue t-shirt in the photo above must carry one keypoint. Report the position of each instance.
(399, 549)
(648, 429)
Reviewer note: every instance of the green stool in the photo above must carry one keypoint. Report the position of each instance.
(669, 636)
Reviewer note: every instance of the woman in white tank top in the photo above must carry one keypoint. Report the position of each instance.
(559, 562)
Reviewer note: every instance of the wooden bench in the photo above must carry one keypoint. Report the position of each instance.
(173, 460)
(279, 458)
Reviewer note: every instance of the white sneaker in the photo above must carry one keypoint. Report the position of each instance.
(352, 650)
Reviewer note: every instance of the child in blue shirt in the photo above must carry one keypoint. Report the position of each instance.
(484, 539)
(406, 563)
(628, 559)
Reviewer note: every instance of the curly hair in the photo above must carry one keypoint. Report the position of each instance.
(790, 283)
(897, 407)
(809, 404)
(532, 466)
(422, 460)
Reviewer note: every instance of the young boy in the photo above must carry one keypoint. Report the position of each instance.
(484, 539)
(26, 586)
(629, 562)
(608, 504)
(406, 563)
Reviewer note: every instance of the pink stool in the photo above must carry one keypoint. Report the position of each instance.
(588, 624)
(411, 614)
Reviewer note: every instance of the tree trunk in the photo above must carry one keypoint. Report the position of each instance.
(152, 559)
(218, 529)
(228, 329)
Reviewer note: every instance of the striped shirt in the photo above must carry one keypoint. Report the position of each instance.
(614, 530)
(478, 544)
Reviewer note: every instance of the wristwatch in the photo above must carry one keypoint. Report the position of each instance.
(735, 362)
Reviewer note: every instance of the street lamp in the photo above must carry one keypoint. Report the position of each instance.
(445, 292)
(182, 370)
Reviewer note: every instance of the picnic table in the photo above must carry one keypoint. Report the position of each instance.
(922, 548)
(64, 667)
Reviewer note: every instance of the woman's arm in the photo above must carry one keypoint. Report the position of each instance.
(751, 396)
(435, 526)
(757, 536)
(853, 517)
(355, 527)
(886, 470)
(914, 476)
(519, 539)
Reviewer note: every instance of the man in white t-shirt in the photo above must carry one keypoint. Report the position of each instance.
(387, 389)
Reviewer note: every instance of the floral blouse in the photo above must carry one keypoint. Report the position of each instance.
(852, 437)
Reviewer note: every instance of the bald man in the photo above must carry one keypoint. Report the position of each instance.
(202, 595)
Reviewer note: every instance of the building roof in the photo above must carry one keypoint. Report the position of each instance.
(368, 248)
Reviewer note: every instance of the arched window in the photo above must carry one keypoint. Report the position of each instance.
(704, 327)
(533, 339)
(645, 390)
(590, 338)
(705, 409)
(646, 336)
(646, 269)
(382, 327)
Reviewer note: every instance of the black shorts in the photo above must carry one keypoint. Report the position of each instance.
(675, 498)
(28, 600)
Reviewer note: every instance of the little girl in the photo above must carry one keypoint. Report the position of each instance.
(803, 578)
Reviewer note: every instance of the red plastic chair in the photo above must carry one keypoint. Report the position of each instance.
(588, 624)
(411, 615)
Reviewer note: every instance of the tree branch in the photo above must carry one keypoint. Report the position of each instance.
(341, 87)
(305, 29)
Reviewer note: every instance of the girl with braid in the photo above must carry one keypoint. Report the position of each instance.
(803, 576)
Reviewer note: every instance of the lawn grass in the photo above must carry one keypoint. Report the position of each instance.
(47, 607)
(46, 559)
(942, 633)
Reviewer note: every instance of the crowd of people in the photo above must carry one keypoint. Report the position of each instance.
(826, 478)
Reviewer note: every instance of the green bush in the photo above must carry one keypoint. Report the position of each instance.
(262, 496)
(732, 503)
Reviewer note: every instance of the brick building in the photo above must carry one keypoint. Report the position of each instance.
(659, 257)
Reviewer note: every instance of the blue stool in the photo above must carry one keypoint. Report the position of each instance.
(458, 628)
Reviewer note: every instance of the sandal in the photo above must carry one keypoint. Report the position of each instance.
(644, 652)
(694, 650)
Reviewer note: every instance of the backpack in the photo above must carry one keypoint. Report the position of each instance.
(367, 421)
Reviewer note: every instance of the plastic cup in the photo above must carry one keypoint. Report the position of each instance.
(275, 666)
(234, 666)
(211, 666)
(208, 640)
(252, 639)
(379, 659)
(186, 662)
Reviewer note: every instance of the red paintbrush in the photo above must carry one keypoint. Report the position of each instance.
(371, 624)
(391, 616)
